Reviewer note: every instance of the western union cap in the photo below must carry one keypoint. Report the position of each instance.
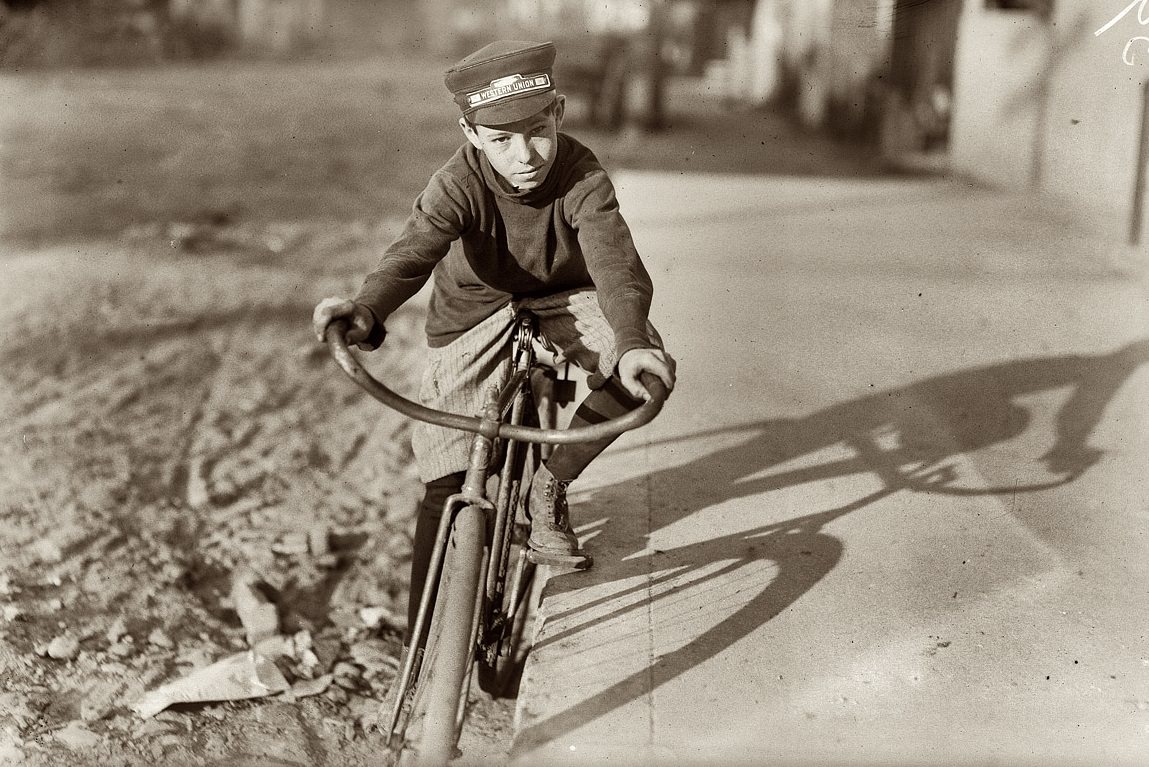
(504, 81)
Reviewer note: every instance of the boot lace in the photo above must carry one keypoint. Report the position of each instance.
(555, 495)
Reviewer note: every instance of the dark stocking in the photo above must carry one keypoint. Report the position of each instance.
(430, 512)
(610, 401)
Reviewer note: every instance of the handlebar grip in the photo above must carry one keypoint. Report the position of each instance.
(654, 386)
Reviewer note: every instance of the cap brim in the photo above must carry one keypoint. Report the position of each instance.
(512, 110)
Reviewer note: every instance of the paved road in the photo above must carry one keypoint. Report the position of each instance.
(896, 512)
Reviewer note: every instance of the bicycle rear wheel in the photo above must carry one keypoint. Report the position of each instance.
(501, 679)
(434, 715)
(499, 676)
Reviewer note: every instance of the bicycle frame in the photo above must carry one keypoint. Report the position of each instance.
(502, 418)
(503, 407)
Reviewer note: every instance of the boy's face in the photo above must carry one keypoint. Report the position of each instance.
(522, 152)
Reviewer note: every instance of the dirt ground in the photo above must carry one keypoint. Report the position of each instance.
(175, 448)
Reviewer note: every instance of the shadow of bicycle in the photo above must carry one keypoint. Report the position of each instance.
(911, 438)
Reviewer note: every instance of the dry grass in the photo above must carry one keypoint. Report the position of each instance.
(95, 152)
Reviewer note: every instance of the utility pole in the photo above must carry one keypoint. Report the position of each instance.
(1138, 208)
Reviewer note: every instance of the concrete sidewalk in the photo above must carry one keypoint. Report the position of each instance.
(896, 511)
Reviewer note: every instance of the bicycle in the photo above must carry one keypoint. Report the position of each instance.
(473, 608)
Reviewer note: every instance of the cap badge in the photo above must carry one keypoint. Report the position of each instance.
(514, 85)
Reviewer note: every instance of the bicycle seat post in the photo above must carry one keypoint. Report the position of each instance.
(526, 331)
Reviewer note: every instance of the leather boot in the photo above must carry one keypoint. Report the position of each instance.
(551, 531)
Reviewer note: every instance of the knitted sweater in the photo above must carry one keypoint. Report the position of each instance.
(487, 243)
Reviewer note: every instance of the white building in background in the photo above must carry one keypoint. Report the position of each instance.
(1048, 95)
(1043, 101)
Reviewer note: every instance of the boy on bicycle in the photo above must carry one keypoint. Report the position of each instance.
(522, 216)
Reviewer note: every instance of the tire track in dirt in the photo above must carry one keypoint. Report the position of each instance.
(186, 470)
(197, 431)
(122, 426)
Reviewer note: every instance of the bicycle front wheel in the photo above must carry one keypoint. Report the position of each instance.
(448, 653)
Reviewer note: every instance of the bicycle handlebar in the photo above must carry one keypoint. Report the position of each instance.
(644, 414)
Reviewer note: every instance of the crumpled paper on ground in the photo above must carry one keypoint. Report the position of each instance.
(241, 676)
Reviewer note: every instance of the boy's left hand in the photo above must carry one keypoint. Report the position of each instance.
(637, 361)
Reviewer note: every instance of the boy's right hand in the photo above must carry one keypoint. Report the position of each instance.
(359, 317)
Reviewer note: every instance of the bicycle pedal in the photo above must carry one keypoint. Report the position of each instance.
(580, 560)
